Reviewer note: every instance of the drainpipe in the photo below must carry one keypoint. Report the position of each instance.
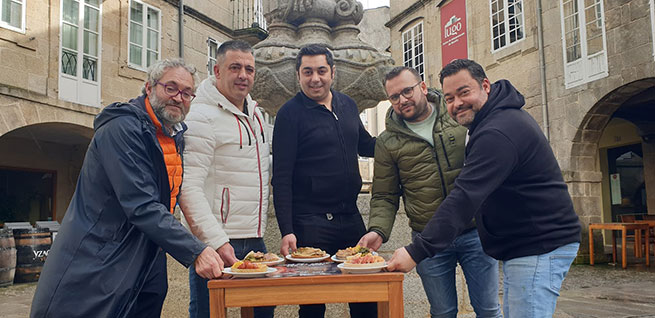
(180, 18)
(542, 70)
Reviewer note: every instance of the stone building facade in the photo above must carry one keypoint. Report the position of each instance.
(587, 71)
(62, 61)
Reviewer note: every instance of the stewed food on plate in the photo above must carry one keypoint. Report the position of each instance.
(308, 252)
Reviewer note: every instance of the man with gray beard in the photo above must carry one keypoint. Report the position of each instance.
(109, 259)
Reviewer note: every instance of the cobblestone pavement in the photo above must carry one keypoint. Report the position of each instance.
(588, 292)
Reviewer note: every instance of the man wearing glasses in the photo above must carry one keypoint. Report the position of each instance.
(225, 193)
(418, 157)
(109, 259)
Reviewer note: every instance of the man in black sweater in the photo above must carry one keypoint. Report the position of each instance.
(316, 139)
(512, 185)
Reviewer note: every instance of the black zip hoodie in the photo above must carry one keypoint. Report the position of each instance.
(510, 182)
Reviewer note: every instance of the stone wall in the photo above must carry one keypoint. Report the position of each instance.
(577, 116)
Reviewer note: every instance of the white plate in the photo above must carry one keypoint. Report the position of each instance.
(335, 259)
(228, 270)
(307, 260)
(361, 270)
(279, 260)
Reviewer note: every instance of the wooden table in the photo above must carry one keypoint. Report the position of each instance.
(384, 288)
(623, 227)
(651, 225)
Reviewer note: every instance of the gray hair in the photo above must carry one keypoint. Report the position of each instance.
(157, 70)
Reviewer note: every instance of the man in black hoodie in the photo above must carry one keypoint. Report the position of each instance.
(512, 185)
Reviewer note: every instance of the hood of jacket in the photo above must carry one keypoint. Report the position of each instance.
(396, 124)
(502, 95)
(208, 94)
(134, 107)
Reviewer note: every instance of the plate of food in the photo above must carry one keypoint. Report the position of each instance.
(247, 269)
(269, 259)
(308, 255)
(342, 255)
(362, 264)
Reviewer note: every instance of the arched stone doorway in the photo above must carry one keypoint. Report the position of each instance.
(625, 117)
(39, 169)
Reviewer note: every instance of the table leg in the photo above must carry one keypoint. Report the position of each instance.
(396, 309)
(591, 246)
(383, 309)
(613, 247)
(247, 312)
(637, 243)
(624, 255)
(217, 303)
(647, 251)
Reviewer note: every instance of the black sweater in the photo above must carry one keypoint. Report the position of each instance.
(510, 182)
(315, 167)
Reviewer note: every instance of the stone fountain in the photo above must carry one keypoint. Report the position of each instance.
(294, 23)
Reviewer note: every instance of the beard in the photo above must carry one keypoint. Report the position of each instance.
(421, 108)
(168, 118)
(467, 119)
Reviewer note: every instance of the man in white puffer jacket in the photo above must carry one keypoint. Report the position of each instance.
(224, 195)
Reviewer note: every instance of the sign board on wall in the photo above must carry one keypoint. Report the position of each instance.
(454, 43)
(615, 188)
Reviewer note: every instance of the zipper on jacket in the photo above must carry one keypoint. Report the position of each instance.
(339, 133)
(335, 114)
(445, 153)
(443, 183)
(259, 169)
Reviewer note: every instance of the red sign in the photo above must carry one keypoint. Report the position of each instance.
(454, 43)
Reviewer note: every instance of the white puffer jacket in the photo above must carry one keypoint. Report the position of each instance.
(226, 169)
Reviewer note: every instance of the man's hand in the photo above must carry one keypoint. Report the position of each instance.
(208, 264)
(401, 261)
(372, 240)
(288, 242)
(226, 251)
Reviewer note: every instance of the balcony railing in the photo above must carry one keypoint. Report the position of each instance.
(248, 14)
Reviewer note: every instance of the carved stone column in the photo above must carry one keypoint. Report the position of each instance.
(294, 23)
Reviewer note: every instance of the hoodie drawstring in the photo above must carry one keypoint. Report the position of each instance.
(240, 135)
(239, 123)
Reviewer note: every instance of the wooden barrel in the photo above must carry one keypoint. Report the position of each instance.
(7, 258)
(32, 248)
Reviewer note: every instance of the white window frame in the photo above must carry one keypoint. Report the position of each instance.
(506, 23)
(8, 26)
(412, 34)
(589, 67)
(75, 88)
(652, 24)
(211, 61)
(144, 39)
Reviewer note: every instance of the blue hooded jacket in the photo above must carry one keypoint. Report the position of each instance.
(117, 220)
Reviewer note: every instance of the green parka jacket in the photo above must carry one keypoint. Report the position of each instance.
(407, 165)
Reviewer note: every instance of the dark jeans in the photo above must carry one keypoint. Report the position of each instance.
(330, 233)
(199, 293)
(150, 300)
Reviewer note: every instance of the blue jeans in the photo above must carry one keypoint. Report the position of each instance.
(199, 293)
(481, 271)
(532, 283)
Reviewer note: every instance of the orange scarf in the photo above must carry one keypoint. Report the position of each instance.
(172, 158)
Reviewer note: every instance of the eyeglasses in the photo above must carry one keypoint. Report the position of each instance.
(407, 92)
(171, 90)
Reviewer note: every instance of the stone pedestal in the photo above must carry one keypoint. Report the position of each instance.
(294, 23)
